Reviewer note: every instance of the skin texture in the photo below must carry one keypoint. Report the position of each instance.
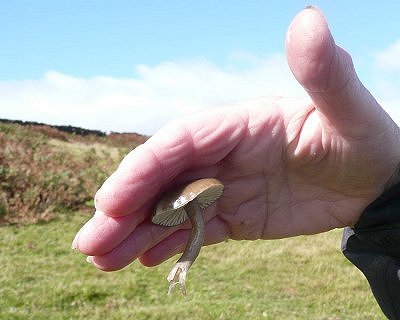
(289, 166)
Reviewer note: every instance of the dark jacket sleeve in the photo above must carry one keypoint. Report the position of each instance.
(373, 245)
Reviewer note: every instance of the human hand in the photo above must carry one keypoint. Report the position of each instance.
(289, 166)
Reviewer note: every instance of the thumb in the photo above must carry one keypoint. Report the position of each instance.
(327, 74)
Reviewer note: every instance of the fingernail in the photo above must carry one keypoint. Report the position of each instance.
(89, 259)
(74, 245)
(313, 7)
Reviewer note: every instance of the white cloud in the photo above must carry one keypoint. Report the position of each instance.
(149, 99)
(155, 95)
(389, 58)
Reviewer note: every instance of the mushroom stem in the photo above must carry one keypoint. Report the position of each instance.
(192, 250)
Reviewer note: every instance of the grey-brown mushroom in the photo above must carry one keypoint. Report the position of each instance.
(178, 205)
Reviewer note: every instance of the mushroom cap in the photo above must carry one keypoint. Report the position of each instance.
(170, 210)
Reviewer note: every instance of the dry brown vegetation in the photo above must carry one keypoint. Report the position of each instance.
(45, 170)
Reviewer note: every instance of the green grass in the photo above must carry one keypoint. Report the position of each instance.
(299, 278)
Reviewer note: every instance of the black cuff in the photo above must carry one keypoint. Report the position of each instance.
(373, 245)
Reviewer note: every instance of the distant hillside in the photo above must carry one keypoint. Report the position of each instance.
(123, 139)
(45, 170)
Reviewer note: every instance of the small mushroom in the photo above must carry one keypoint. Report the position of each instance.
(178, 205)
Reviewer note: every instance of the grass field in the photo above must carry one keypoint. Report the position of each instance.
(299, 278)
(46, 175)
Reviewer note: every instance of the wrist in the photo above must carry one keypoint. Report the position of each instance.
(383, 212)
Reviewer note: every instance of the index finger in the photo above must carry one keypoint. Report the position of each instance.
(192, 142)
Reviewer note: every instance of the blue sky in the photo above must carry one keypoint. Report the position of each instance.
(93, 63)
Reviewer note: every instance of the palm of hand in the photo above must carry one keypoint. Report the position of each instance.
(286, 172)
(293, 174)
